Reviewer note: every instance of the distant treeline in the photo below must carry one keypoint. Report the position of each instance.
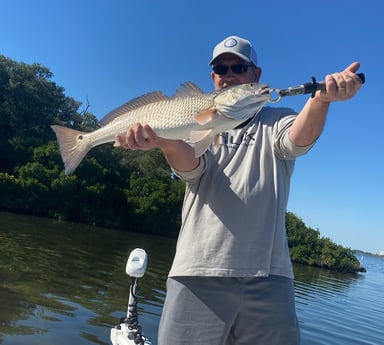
(128, 190)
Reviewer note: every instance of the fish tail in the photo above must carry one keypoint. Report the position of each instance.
(72, 145)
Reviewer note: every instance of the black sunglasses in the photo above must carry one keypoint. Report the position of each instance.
(238, 68)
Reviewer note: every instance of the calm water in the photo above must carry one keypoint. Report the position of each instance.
(63, 283)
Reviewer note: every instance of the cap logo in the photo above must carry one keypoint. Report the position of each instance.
(230, 43)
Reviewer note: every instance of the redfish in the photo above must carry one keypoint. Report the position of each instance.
(190, 114)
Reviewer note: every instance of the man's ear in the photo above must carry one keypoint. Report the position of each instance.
(213, 76)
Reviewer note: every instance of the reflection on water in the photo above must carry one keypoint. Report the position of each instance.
(63, 283)
(338, 308)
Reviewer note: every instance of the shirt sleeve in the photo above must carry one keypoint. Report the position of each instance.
(195, 174)
(283, 146)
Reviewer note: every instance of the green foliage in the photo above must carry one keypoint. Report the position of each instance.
(29, 104)
(307, 247)
(154, 193)
(11, 192)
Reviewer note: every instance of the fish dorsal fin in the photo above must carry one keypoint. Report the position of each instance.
(187, 89)
(205, 116)
(135, 103)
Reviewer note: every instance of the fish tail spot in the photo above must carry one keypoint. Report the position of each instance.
(72, 147)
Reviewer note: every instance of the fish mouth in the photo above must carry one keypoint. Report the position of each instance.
(265, 90)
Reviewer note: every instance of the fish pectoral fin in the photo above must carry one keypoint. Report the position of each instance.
(201, 140)
(205, 116)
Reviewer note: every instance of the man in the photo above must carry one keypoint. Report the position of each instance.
(231, 281)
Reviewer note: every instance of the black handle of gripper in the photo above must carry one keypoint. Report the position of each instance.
(314, 86)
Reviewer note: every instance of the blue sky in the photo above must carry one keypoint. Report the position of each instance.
(108, 52)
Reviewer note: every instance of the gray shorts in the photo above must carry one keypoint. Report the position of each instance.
(228, 311)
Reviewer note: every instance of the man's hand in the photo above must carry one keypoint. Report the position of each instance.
(340, 86)
(141, 137)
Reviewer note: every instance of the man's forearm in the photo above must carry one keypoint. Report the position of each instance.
(180, 155)
(309, 123)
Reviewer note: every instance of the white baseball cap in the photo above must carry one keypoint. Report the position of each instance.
(235, 45)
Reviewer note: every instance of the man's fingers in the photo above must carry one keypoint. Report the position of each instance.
(138, 137)
(353, 67)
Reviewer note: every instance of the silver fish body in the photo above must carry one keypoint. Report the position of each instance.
(190, 115)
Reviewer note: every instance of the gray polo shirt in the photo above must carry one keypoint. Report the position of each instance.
(233, 217)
